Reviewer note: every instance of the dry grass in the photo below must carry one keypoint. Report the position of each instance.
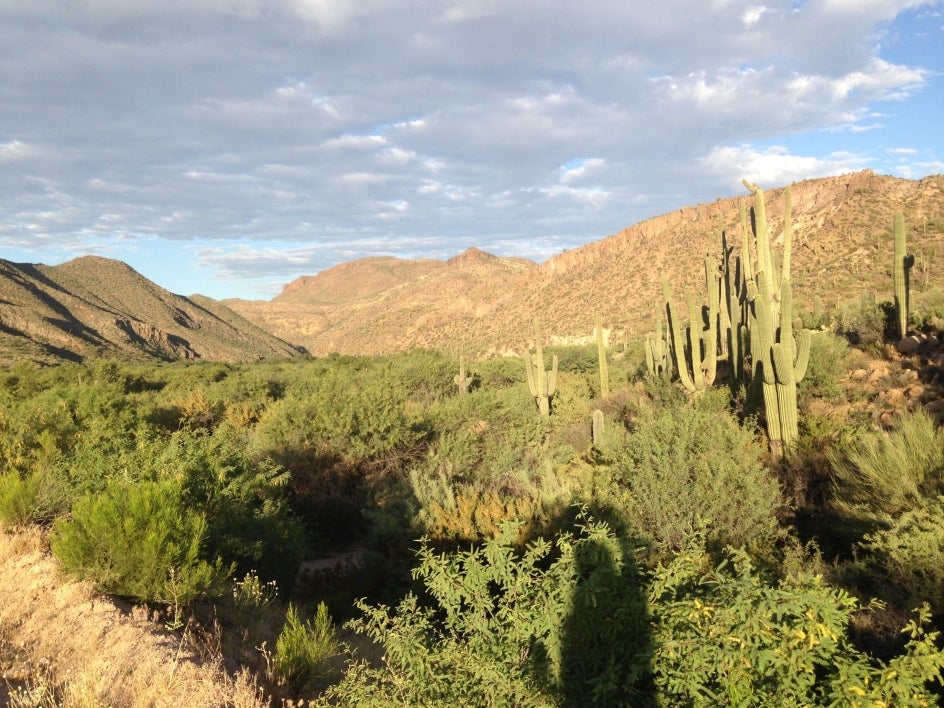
(62, 645)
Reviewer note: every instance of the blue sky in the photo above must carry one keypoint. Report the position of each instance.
(225, 147)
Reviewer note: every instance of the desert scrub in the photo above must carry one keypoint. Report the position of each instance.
(303, 649)
(906, 559)
(17, 499)
(137, 540)
(878, 473)
(691, 465)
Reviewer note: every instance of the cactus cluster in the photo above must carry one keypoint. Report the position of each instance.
(658, 349)
(747, 318)
(779, 346)
(543, 384)
(695, 355)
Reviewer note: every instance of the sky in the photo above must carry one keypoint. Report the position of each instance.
(226, 147)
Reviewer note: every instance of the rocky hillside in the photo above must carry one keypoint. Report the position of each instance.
(479, 303)
(93, 305)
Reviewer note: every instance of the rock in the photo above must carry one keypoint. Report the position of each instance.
(935, 407)
(858, 374)
(915, 391)
(909, 345)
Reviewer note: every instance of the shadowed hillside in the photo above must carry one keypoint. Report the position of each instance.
(479, 303)
(93, 305)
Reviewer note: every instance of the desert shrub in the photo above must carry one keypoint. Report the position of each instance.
(724, 636)
(303, 649)
(244, 501)
(906, 559)
(449, 510)
(17, 498)
(138, 540)
(828, 363)
(927, 306)
(888, 473)
(864, 322)
(694, 464)
(555, 622)
(574, 623)
(574, 358)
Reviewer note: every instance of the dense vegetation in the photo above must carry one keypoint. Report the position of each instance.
(592, 533)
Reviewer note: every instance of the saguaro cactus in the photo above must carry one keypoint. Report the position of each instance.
(901, 273)
(601, 355)
(462, 379)
(658, 348)
(543, 384)
(779, 354)
(696, 358)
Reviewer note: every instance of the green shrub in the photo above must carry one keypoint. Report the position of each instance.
(555, 623)
(907, 558)
(573, 624)
(303, 649)
(137, 540)
(17, 499)
(689, 466)
(829, 357)
(889, 473)
(724, 636)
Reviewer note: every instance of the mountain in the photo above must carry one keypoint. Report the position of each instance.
(478, 303)
(93, 305)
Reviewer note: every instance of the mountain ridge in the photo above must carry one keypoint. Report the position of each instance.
(476, 303)
(842, 247)
(91, 306)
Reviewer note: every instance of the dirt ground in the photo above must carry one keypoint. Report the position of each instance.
(56, 634)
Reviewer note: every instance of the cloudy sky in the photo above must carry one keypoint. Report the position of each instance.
(228, 146)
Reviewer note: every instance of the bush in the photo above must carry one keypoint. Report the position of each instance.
(17, 499)
(889, 473)
(574, 624)
(690, 466)
(304, 648)
(556, 622)
(907, 558)
(137, 540)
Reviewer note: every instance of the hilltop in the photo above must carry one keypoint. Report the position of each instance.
(93, 306)
(480, 303)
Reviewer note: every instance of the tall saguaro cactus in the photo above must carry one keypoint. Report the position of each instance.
(543, 384)
(901, 273)
(780, 348)
(601, 355)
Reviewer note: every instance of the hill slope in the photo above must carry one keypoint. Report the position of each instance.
(478, 303)
(93, 305)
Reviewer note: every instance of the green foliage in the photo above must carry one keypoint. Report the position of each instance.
(137, 540)
(692, 465)
(829, 361)
(303, 649)
(562, 622)
(724, 636)
(908, 557)
(17, 499)
(879, 473)
(574, 624)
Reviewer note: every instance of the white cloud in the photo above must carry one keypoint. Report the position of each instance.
(330, 121)
(775, 166)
